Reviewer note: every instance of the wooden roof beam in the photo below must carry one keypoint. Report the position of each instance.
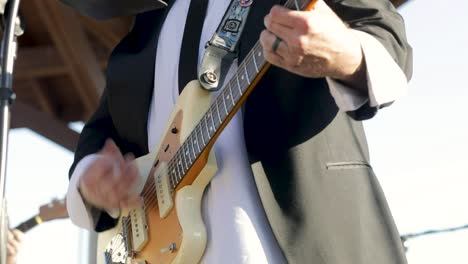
(32, 89)
(24, 115)
(44, 61)
(75, 50)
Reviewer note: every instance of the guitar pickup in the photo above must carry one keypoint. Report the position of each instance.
(163, 190)
(139, 228)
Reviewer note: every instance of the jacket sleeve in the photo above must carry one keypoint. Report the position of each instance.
(379, 19)
(104, 9)
(92, 138)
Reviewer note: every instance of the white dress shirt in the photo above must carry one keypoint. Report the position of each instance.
(238, 231)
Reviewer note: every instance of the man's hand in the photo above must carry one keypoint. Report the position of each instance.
(108, 181)
(314, 44)
(15, 239)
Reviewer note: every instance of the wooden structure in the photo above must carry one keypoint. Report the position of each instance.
(59, 71)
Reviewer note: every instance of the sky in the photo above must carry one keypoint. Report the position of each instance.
(419, 145)
(418, 150)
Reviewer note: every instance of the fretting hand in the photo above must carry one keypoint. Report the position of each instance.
(313, 44)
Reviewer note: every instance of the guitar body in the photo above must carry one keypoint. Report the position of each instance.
(179, 236)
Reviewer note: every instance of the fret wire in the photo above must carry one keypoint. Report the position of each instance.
(187, 153)
(193, 148)
(201, 132)
(249, 68)
(246, 75)
(224, 113)
(213, 128)
(169, 172)
(230, 91)
(183, 155)
(173, 163)
(217, 111)
(172, 179)
(238, 84)
(224, 102)
(255, 64)
(181, 163)
(178, 164)
(211, 111)
(297, 5)
(207, 130)
(197, 139)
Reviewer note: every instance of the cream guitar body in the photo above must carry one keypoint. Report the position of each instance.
(160, 233)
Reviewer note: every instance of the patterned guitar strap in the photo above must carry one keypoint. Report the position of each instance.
(222, 48)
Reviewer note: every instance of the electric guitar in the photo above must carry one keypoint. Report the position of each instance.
(56, 209)
(168, 227)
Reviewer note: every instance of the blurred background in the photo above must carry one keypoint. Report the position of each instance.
(418, 146)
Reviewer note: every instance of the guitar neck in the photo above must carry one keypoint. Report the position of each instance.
(29, 224)
(233, 94)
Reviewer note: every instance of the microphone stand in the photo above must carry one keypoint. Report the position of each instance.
(8, 49)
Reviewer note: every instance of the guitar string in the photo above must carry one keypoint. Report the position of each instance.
(172, 163)
(148, 193)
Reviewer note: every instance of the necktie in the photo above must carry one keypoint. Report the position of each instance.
(189, 52)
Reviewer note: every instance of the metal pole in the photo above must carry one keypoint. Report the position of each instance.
(8, 54)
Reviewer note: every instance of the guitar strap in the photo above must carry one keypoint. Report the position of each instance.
(222, 48)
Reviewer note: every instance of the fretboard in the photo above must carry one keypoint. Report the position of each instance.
(28, 224)
(228, 101)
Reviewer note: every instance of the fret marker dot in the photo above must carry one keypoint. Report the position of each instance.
(227, 97)
(259, 53)
(186, 153)
(242, 77)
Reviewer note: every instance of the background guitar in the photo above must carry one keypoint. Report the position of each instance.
(56, 209)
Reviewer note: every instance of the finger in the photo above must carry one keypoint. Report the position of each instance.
(11, 250)
(111, 149)
(129, 177)
(131, 202)
(119, 187)
(287, 34)
(289, 18)
(18, 235)
(267, 39)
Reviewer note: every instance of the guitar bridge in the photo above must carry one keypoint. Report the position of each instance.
(117, 250)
